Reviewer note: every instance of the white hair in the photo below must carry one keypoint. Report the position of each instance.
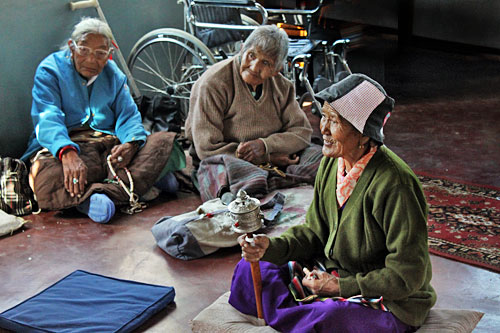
(91, 25)
(271, 41)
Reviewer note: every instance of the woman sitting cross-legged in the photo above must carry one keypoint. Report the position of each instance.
(83, 113)
(364, 243)
(246, 127)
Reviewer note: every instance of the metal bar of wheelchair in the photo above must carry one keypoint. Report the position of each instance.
(308, 13)
(303, 77)
(341, 56)
(256, 7)
(284, 11)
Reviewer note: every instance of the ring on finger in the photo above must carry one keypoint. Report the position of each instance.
(75, 180)
(119, 159)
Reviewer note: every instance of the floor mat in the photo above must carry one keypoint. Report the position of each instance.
(464, 221)
(85, 302)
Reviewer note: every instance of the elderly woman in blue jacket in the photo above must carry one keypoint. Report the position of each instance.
(83, 112)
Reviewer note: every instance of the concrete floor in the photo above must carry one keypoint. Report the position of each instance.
(446, 123)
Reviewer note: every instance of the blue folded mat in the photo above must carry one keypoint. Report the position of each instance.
(87, 302)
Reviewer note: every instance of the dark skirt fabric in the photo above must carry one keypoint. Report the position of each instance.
(284, 314)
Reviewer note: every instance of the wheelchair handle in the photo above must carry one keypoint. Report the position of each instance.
(83, 4)
(295, 11)
(303, 76)
(255, 7)
(344, 41)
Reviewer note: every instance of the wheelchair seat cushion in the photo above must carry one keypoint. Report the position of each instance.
(301, 46)
(87, 302)
(214, 37)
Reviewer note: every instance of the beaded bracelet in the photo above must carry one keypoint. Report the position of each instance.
(63, 149)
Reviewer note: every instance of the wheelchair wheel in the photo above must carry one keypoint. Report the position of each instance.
(341, 75)
(168, 61)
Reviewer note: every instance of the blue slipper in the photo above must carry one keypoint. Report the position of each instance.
(98, 207)
(168, 183)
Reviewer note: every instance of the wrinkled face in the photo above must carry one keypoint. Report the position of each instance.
(89, 59)
(256, 67)
(340, 138)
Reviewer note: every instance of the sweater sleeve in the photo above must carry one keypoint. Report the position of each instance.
(296, 130)
(305, 241)
(46, 111)
(206, 119)
(402, 213)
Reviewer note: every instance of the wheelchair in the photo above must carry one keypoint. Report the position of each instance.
(168, 61)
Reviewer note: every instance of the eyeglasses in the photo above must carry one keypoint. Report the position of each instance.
(85, 51)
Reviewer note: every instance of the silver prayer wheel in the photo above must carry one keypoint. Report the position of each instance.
(245, 213)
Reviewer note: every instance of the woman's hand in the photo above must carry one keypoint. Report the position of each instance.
(283, 160)
(75, 173)
(252, 151)
(121, 155)
(255, 250)
(321, 283)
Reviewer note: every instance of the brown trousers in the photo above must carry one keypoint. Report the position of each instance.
(47, 179)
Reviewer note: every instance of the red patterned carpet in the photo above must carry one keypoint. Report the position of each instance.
(464, 222)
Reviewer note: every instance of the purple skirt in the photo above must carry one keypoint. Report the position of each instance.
(284, 314)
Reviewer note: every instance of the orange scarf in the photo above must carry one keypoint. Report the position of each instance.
(345, 185)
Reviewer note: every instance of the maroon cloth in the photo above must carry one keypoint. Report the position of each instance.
(145, 167)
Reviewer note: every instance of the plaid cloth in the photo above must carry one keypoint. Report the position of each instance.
(15, 194)
(225, 171)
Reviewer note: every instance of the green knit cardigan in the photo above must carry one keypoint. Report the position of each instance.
(378, 243)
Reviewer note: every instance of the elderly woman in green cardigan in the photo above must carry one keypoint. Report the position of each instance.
(366, 225)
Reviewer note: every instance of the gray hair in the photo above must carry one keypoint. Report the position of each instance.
(270, 40)
(91, 25)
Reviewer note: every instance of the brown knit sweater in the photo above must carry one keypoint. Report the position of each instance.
(223, 113)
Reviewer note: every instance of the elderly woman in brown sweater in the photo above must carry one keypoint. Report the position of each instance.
(243, 113)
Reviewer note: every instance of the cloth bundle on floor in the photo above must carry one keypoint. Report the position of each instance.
(87, 302)
(10, 223)
(203, 231)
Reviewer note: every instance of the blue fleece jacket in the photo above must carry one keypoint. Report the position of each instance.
(61, 102)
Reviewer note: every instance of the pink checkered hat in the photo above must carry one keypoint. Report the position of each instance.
(362, 101)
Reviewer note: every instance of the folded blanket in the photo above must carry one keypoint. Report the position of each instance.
(225, 172)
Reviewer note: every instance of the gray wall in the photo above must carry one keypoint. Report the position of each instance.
(32, 29)
(474, 22)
